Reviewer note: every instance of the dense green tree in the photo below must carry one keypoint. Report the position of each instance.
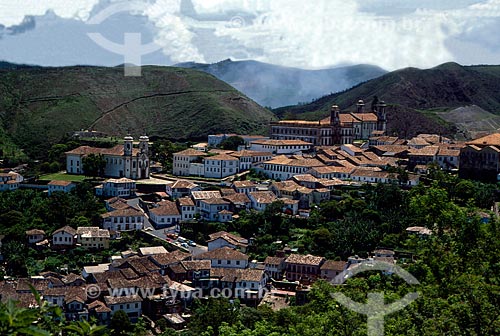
(212, 313)
(93, 165)
(232, 143)
(120, 324)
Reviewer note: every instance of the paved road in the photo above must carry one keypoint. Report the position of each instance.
(162, 233)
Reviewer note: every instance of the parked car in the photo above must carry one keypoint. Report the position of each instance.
(191, 243)
(184, 245)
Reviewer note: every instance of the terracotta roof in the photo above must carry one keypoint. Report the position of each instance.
(249, 153)
(237, 198)
(333, 169)
(177, 268)
(425, 151)
(191, 152)
(490, 140)
(35, 232)
(222, 157)
(112, 300)
(199, 195)
(117, 150)
(418, 142)
(117, 203)
(367, 117)
(281, 143)
(227, 191)
(170, 258)
(166, 208)
(263, 197)
(40, 285)
(196, 265)
(67, 229)
(305, 178)
(72, 277)
(142, 265)
(152, 250)
(392, 148)
(448, 152)
(249, 274)
(120, 283)
(303, 162)
(231, 238)
(237, 274)
(215, 201)
(125, 212)
(60, 183)
(244, 184)
(304, 259)
(372, 173)
(223, 253)
(183, 184)
(185, 201)
(291, 186)
(333, 265)
(94, 232)
(99, 307)
(274, 260)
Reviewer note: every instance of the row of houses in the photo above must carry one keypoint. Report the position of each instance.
(67, 237)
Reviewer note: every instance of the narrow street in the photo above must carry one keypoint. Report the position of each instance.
(162, 233)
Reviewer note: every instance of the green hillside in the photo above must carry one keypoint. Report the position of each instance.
(38, 106)
(416, 96)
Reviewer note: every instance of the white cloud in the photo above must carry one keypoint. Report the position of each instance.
(174, 35)
(12, 12)
(309, 34)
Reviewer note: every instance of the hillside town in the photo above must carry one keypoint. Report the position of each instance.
(296, 170)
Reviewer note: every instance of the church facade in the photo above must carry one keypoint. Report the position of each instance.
(338, 129)
(121, 161)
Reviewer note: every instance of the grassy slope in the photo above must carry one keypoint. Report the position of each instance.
(415, 95)
(39, 105)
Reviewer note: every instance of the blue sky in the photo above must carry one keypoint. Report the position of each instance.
(307, 34)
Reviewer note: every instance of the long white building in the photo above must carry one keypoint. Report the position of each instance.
(121, 160)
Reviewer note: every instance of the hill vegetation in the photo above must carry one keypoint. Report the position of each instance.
(38, 106)
(417, 95)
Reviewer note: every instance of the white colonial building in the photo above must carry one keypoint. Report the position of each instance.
(61, 186)
(64, 237)
(127, 219)
(121, 160)
(221, 166)
(122, 187)
(10, 181)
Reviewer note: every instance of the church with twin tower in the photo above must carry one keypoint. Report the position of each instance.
(121, 161)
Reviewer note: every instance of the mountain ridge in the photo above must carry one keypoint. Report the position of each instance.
(416, 93)
(38, 106)
(276, 85)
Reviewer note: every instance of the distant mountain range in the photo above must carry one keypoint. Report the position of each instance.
(274, 86)
(423, 100)
(38, 105)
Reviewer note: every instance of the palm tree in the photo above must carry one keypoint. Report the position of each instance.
(84, 328)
